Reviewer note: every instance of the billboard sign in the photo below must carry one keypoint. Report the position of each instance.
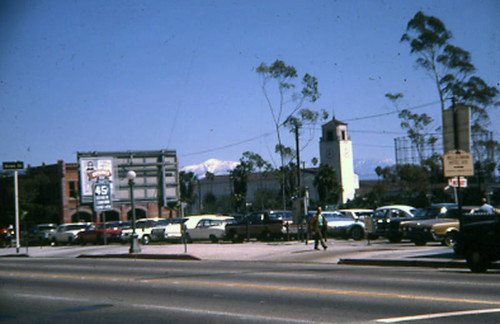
(93, 169)
(157, 178)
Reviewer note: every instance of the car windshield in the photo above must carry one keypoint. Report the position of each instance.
(431, 212)
(46, 228)
(336, 217)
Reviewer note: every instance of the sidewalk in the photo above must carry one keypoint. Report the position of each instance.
(348, 252)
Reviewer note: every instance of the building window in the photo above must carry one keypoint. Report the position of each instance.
(329, 136)
(343, 135)
(72, 189)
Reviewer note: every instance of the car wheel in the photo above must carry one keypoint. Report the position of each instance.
(477, 261)
(394, 239)
(236, 238)
(214, 239)
(357, 233)
(145, 240)
(449, 239)
(419, 242)
(265, 236)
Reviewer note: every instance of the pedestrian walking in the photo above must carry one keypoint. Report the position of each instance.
(317, 223)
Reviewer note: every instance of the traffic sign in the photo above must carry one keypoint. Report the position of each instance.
(17, 165)
(458, 163)
(453, 182)
(102, 196)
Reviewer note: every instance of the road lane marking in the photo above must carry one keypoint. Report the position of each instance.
(261, 287)
(437, 315)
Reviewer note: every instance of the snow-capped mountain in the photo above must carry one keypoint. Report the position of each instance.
(214, 166)
(365, 169)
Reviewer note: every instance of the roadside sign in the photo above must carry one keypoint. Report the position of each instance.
(456, 120)
(102, 196)
(453, 182)
(17, 165)
(458, 163)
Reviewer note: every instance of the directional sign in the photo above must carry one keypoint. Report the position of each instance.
(458, 163)
(17, 165)
(102, 197)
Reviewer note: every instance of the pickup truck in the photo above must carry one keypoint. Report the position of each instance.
(257, 225)
(479, 240)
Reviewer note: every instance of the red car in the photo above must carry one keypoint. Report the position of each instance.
(95, 234)
(6, 236)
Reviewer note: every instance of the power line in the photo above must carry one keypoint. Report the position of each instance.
(228, 145)
(352, 119)
(392, 112)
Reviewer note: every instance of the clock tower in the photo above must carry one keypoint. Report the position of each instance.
(335, 149)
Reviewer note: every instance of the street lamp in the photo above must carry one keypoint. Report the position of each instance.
(134, 242)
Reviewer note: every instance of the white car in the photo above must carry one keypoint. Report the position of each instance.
(361, 216)
(143, 228)
(198, 227)
(68, 233)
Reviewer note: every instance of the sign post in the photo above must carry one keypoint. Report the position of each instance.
(15, 166)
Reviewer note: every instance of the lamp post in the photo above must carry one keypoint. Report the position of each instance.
(134, 242)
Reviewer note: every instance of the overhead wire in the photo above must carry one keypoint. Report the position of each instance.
(351, 119)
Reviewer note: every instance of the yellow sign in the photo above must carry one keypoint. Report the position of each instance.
(458, 163)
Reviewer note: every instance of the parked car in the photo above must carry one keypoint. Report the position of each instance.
(68, 233)
(161, 231)
(197, 227)
(95, 233)
(211, 228)
(7, 235)
(341, 225)
(40, 234)
(361, 216)
(260, 225)
(432, 224)
(143, 228)
(387, 220)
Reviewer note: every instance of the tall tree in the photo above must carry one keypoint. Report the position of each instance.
(287, 103)
(449, 66)
(452, 70)
(187, 181)
(416, 126)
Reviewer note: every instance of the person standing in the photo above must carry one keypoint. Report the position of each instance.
(317, 223)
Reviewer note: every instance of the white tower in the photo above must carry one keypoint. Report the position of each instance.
(335, 149)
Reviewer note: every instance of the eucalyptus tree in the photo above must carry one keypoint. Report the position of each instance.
(452, 70)
(449, 66)
(417, 126)
(287, 102)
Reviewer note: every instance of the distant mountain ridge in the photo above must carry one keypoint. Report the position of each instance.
(364, 168)
(214, 166)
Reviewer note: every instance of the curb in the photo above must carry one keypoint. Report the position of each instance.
(184, 257)
(405, 263)
(461, 264)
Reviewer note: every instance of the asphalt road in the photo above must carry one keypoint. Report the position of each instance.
(62, 290)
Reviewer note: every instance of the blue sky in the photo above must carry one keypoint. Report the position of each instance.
(89, 75)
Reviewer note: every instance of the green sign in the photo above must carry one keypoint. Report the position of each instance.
(17, 165)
